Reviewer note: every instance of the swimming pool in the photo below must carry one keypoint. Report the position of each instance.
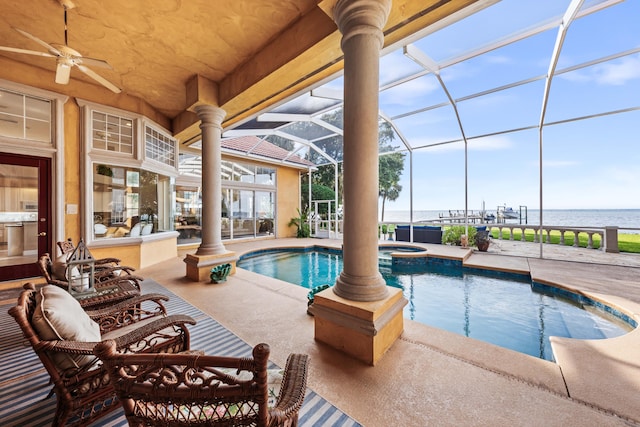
(509, 313)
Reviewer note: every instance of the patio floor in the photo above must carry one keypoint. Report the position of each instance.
(433, 377)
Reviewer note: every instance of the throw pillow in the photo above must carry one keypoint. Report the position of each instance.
(59, 316)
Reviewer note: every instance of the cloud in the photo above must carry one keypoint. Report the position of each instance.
(410, 93)
(498, 59)
(558, 163)
(611, 73)
(617, 74)
(489, 143)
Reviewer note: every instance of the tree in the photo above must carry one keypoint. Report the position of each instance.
(391, 194)
(390, 168)
(318, 192)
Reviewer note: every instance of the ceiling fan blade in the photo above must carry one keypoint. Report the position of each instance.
(28, 52)
(50, 48)
(62, 73)
(106, 83)
(95, 62)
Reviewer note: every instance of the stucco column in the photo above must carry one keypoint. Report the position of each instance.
(211, 125)
(361, 23)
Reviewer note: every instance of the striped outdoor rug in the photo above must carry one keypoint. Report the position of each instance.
(24, 382)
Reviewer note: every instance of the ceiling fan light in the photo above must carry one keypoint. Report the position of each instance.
(62, 73)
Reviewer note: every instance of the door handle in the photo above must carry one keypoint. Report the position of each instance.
(42, 234)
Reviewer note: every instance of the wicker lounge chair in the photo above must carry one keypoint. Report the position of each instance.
(63, 336)
(188, 389)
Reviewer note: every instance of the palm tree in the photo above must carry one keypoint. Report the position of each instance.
(391, 193)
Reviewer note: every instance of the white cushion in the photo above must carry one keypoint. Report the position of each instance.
(59, 268)
(135, 230)
(147, 229)
(59, 316)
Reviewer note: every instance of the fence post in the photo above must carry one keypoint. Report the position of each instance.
(611, 239)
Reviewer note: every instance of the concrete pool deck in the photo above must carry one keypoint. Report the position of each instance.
(433, 377)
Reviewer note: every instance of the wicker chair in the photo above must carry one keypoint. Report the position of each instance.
(187, 389)
(104, 277)
(80, 382)
(67, 247)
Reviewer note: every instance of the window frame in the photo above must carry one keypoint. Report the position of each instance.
(135, 160)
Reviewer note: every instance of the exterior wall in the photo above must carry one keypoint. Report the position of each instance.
(72, 172)
(288, 200)
(154, 251)
(143, 254)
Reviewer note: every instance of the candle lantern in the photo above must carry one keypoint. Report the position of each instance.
(80, 270)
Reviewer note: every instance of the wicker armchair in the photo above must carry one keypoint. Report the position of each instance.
(67, 247)
(80, 382)
(103, 278)
(188, 389)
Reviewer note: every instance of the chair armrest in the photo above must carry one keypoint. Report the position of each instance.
(122, 270)
(292, 390)
(102, 272)
(141, 334)
(102, 261)
(122, 342)
(67, 346)
(128, 311)
(109, 279)
(129, 304)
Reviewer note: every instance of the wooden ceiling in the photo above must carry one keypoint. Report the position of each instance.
(256, 52)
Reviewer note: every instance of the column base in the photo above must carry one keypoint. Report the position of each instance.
(364, 330)
(199, 266)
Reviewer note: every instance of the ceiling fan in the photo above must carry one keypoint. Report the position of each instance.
(66, 57)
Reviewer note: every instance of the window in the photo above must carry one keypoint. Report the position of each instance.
(112, 133)
(130, 178)
(266, 176)
(25, 117)
(160, 147)
(131, 206)
(247, 199)
(244, 172)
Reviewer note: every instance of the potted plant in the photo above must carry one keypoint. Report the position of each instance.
(390, 229)
(219, 273)
(482, 240)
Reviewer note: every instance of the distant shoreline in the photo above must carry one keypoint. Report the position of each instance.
(624, 219)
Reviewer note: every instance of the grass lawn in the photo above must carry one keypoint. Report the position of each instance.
(626, 242)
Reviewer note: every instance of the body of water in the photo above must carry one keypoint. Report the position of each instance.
(622, 218)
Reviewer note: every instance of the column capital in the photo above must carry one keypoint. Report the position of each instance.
(210, 115)
(361, 17)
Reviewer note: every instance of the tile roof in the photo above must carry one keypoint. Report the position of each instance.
(263, 148)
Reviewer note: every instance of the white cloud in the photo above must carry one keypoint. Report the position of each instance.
(618, 73)
(558, 163)
(498, 59)
(489, 143)
(410, 92)
(611, 73)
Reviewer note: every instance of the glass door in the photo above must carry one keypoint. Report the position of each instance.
(25, 211)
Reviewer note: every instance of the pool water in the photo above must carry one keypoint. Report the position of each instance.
(508, 313)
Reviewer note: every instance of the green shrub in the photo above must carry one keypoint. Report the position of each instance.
(302, 225)
(451, 235)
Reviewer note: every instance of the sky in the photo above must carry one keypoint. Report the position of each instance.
(592, 163)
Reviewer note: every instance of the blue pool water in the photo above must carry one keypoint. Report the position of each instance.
(508, 313)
